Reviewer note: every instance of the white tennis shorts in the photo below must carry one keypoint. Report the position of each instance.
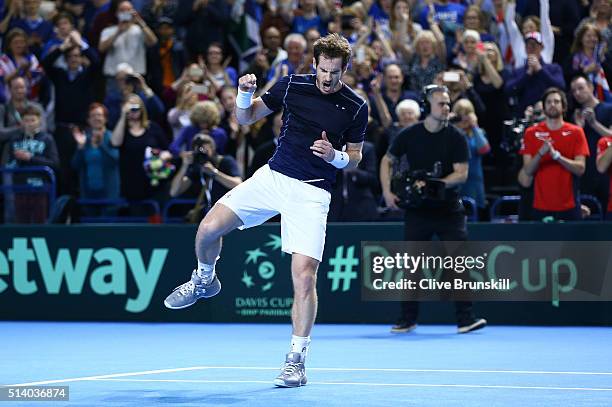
(303, 209)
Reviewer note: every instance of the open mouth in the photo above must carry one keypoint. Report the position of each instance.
(327, 85)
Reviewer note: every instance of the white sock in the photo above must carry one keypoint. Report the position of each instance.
(206, 271)
(300, 345)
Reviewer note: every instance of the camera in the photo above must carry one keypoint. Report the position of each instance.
(124, 16)
(200, 155)
(413, 196)
(514, 130)
(512, 134)
(133, 81)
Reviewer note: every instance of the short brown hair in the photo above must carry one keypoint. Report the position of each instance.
(96, 105)
(333, 46)
(15, 32)
(14, 78)
(62, 15)
(32, 111)
(551, 91)
(203, 139)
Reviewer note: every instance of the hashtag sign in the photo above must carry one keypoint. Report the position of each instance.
(343, 268)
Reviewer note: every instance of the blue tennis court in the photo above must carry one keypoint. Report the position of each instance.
(129, 364)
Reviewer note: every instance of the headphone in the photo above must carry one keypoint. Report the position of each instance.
(426, 93)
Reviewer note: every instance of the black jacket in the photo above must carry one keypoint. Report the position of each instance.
(72, 98)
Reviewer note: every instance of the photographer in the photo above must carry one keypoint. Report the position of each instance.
(204, 174)
(440, 152)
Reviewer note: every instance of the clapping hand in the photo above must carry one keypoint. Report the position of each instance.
(589, 115)
(79, 137)
(23, 155)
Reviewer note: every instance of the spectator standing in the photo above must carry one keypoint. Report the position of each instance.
(554, 154)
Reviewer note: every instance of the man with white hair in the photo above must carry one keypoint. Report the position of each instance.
(408, 112)
(295, 45)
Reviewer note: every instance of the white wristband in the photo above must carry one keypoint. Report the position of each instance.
(341, 159)
(243, 99)
(556, 155)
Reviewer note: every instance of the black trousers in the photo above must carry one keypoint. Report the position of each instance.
(423, 226)
(570, 214)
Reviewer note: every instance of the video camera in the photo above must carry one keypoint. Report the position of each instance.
(514, 130)
(412, 196)
(512, 134)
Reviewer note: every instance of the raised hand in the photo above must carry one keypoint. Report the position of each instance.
(589, 115)
(79, 137)
(247, 83)
(376, 84)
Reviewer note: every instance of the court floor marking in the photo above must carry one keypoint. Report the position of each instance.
(480, 386)
(331, 369)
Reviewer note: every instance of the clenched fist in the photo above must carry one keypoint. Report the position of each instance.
(247, 83)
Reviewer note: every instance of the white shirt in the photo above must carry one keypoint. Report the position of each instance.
(129, 47)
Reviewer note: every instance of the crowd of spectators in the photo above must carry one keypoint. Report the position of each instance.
(122, 98)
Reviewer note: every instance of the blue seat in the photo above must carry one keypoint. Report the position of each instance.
(505, 209)
(471, 210)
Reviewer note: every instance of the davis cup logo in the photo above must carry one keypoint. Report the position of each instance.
(259, 265)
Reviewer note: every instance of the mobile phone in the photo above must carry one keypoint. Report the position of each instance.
(196, 71)
(450, 77)
(200, 89)
(361, 55)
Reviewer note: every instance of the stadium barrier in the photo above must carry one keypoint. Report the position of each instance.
(123, 273)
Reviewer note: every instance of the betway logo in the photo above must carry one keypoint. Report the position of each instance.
(109, 277)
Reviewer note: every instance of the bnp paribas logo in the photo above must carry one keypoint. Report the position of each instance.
(259, 264)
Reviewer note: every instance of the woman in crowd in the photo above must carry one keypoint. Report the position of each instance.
(178, 116)
(475, 19)
(403, 30)
(489, 84)
(428, 59)
(588, 56)
(18, 61)
(478, 145)
(217, 68)
(133, 134)
(469, 56)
